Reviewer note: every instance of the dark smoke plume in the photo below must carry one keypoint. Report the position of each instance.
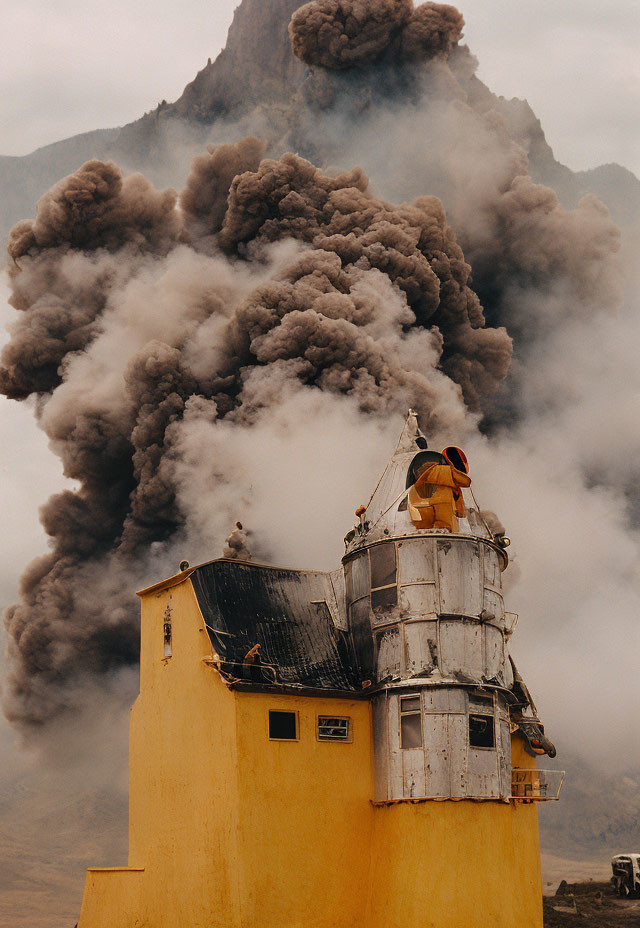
(204, 201)
(368, 300)
(340, 34)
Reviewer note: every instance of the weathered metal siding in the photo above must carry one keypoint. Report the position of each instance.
(443, 628)
(453, 581)
(446, 766)
(380, 737)
(420, 647)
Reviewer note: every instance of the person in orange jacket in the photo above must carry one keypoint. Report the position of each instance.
(435, 499)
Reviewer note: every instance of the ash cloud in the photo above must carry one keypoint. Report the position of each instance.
(154, 316)
(340, 34)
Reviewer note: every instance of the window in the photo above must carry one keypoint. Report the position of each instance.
(409, 703)
(168, 650)
(410, 722)
(384, 592)
(381, 599)
(383, 565)
(283, 726)
(481, 734)
(331, 728)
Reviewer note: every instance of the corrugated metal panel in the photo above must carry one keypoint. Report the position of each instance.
(286, 612)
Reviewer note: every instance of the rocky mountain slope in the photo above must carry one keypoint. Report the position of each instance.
(249, 88)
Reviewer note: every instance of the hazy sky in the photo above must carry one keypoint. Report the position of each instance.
(78, 65)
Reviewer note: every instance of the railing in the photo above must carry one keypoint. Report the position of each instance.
(536, 785)
(254, 672)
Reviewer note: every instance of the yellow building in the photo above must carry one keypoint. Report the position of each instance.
(372, 763)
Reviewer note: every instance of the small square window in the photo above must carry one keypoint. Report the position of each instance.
(331, 728)
(481, 733)
(283, 726)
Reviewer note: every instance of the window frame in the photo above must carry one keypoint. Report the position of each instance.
(481, 747)
(481, 705)
(407, 713)
(329, 740)
(386, 586)
(293, 712)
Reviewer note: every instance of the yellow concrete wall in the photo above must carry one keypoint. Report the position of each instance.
(224, 841)
(305, 815)
(183, 801)
(230, 828)
(455, 865)
(458, 864)
(112, 897)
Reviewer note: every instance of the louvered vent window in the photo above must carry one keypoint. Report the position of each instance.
(331, 728)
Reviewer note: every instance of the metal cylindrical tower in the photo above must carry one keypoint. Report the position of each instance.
(427, 616)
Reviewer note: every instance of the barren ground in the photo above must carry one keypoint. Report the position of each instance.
(594, 904)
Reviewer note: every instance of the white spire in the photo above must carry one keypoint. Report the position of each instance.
(382, 508)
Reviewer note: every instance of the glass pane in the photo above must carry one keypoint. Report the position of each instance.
(409, 703)
(383, 598)
(481, 731)
(383, 564)
(282, 725)
(410, 731)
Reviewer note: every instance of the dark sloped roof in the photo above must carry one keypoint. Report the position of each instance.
(287, 612)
